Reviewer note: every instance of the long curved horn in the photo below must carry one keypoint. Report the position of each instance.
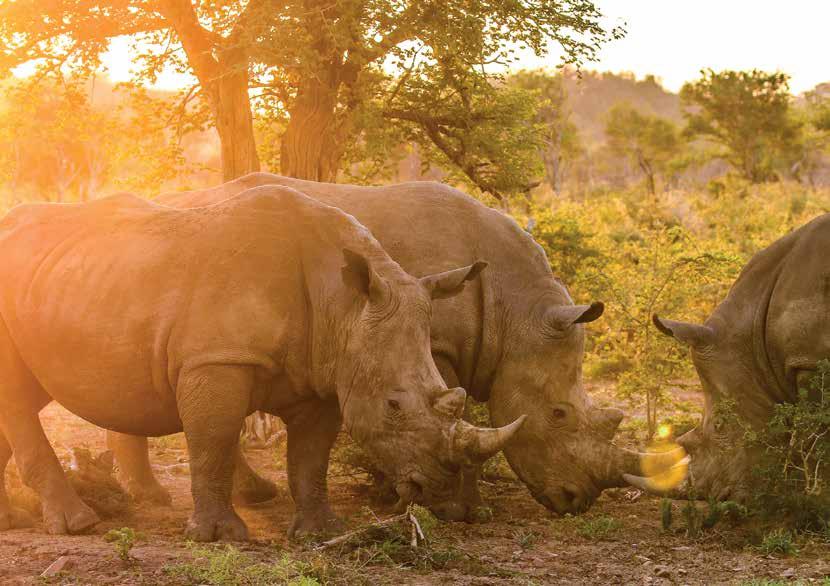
(471, 443)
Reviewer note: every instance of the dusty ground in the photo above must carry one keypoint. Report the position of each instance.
(522, 544)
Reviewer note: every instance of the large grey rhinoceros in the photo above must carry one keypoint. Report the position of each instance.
(757, 346)
(151, 320)
(513, 338)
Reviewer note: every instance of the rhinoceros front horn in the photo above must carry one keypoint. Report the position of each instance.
(469, 443)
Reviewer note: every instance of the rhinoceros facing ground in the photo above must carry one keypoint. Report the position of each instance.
(513, 338)
(149, 320)
(766, 336)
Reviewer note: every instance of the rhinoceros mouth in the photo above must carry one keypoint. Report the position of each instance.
(568, 498)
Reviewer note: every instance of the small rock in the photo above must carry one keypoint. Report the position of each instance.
(662, 571)
(788, 573)
(59, 565)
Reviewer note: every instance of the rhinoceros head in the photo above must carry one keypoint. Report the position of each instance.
(393, 399)
(563, 451)
(720, 464)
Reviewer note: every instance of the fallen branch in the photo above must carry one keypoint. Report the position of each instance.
(347, 536)
(417, 533)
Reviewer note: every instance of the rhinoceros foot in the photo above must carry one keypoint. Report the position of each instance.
(150, 491)
(74, 516)
(14, 518)
(224, 526)
(252, 489)
(307, 524)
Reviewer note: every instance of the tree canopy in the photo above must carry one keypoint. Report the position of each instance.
(337, 74)
(748, 114)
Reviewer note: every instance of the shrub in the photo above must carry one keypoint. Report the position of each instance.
(793, 457)
(123, 541)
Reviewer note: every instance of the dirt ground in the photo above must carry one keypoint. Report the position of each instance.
(620, 541)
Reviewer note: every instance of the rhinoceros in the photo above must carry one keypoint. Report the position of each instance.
(150, 320)
(754, 351)
(514, 338)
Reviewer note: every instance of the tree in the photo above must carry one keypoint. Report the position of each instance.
(651, 142)
(813, 117)
(330, 66)
(169, 33)
(61, 148)
(341, 70)
(748, 114)
(561, 141)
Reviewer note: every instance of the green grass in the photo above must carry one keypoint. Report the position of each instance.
(597, 528)
(525, 538)
(227, 566)
(778, 541)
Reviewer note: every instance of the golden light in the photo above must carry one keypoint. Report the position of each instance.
(665, 464)
(664, 432)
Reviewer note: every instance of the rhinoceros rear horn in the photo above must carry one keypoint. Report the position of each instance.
(449, 283)
(561, 317)
(694, 335)
(469, 443)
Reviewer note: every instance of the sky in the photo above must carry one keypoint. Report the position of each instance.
(675, 39)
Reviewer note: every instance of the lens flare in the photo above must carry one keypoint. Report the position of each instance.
(665, 465)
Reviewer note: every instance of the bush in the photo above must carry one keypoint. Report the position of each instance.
(793, 466)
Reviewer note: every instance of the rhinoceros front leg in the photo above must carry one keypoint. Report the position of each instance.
(130, 452)
(213, 402)
(10, 517)
(312, 430)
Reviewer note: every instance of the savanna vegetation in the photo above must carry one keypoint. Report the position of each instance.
(648, 200)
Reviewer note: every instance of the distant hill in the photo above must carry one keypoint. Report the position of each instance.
(593, 93)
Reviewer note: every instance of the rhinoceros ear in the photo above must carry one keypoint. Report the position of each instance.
(359, 274)
(694, 335)
(449, 283)
(561, 317)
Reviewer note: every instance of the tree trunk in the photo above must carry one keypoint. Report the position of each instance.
(311, 147)
(232, 110)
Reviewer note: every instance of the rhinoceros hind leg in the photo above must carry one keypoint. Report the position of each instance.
(248, 486)
(311, 434)
(134, 469)
(212, 402)
(10, 517)
(22, 398)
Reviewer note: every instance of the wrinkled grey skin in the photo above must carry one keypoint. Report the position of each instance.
(513, 338)
(150, 320)
(767, 334)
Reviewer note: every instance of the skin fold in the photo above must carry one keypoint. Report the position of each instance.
(149, 320)
(513, 338)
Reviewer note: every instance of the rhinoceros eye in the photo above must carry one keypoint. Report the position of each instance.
(559, 415)
(393, 405)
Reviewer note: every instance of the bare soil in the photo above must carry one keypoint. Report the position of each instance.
(522, 544)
